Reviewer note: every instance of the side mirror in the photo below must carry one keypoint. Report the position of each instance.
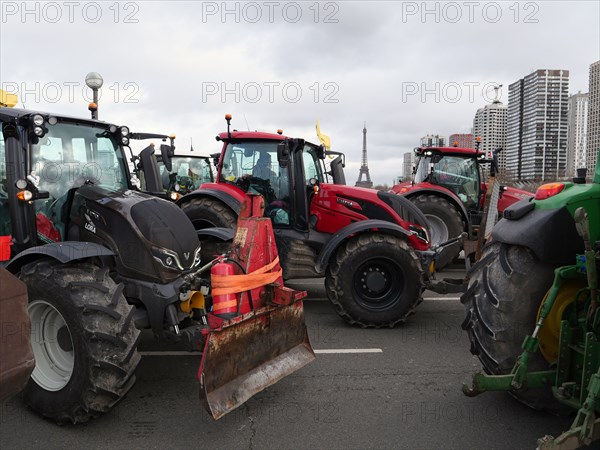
(166, 153)
(283, 154)
(321, 152)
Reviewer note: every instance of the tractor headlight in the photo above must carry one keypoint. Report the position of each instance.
(420, 232)
(125, 140)
(124, 131)
(170, 259)
(38, 120)
(166, 258)
(38, 131)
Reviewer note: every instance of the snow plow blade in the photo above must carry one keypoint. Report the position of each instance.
(256, 332)
(246, 356)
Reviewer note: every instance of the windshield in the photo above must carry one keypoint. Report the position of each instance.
(69, 155)
(187, 174)
(458, 174)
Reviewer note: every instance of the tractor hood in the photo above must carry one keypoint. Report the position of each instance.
(152, 238)
(355, 204)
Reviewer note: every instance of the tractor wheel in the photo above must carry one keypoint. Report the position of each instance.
(505, 289)
(207, 212)
(83, 338)
(375, 280)
(445, 222)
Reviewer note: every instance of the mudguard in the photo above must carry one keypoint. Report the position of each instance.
(224, 234)
(61, 251)
(356, 228)
(549, 233)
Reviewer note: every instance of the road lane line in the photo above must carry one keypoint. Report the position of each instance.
(348, 350)
(327, 351)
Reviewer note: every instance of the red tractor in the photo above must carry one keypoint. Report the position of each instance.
(364, 242)
(448, 187)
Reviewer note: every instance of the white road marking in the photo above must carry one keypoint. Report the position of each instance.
(327, 351)
(348, 350)
(442, 299)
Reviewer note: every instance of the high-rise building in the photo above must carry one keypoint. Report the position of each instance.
(407, 165)
(433, 140)
(536, 136)
(463, 140)
(489, 124)
(593, 124)
(576, 144)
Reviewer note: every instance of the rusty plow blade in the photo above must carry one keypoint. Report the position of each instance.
(249, 353)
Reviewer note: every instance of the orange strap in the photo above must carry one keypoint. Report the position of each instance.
(233, 284)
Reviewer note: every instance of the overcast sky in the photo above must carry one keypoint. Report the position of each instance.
(405, 68)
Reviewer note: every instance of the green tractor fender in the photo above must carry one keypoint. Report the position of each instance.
(546, 226)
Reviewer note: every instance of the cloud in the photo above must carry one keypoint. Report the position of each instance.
(406, 68)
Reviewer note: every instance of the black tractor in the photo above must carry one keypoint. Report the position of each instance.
(100, 258)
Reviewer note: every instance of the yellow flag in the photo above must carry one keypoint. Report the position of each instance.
(324, 139)
(9, 100)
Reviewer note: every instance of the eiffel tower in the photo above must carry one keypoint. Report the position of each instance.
(364, 166)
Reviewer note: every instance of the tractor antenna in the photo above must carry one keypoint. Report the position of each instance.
(228, 119)
(247, 126)
(191, 145)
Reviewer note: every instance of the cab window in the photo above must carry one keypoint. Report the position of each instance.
(5, 228)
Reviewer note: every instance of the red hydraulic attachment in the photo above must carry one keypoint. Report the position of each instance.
(257, 334)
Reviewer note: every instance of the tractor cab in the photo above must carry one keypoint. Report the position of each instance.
(172, 176)
(64, 154)
(267, 167)
(458, 173)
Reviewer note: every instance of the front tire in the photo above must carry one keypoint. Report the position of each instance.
(374, 280)
(445, 223)
(504, 293)
(83, 338)
(206, 212)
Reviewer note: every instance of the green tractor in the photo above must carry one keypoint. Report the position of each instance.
(537, 279)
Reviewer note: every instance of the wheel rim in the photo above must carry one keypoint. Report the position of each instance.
(52, 346)
(379, 283)
(550, 333)
(438, 229)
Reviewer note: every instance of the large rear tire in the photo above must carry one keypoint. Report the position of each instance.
(84, 341)
(504, 293)
(374, 280)
(445, 222)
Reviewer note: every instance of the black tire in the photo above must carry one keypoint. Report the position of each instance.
(506, 287)
(98, 346)
(205, 212)
(445, 222)
(396, 287)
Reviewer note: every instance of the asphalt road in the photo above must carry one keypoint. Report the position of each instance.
(405, 394)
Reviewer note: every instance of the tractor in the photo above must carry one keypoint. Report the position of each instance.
(448, 187)
(177, 174)
(538, 275)
(367, 244)
(102, 261)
